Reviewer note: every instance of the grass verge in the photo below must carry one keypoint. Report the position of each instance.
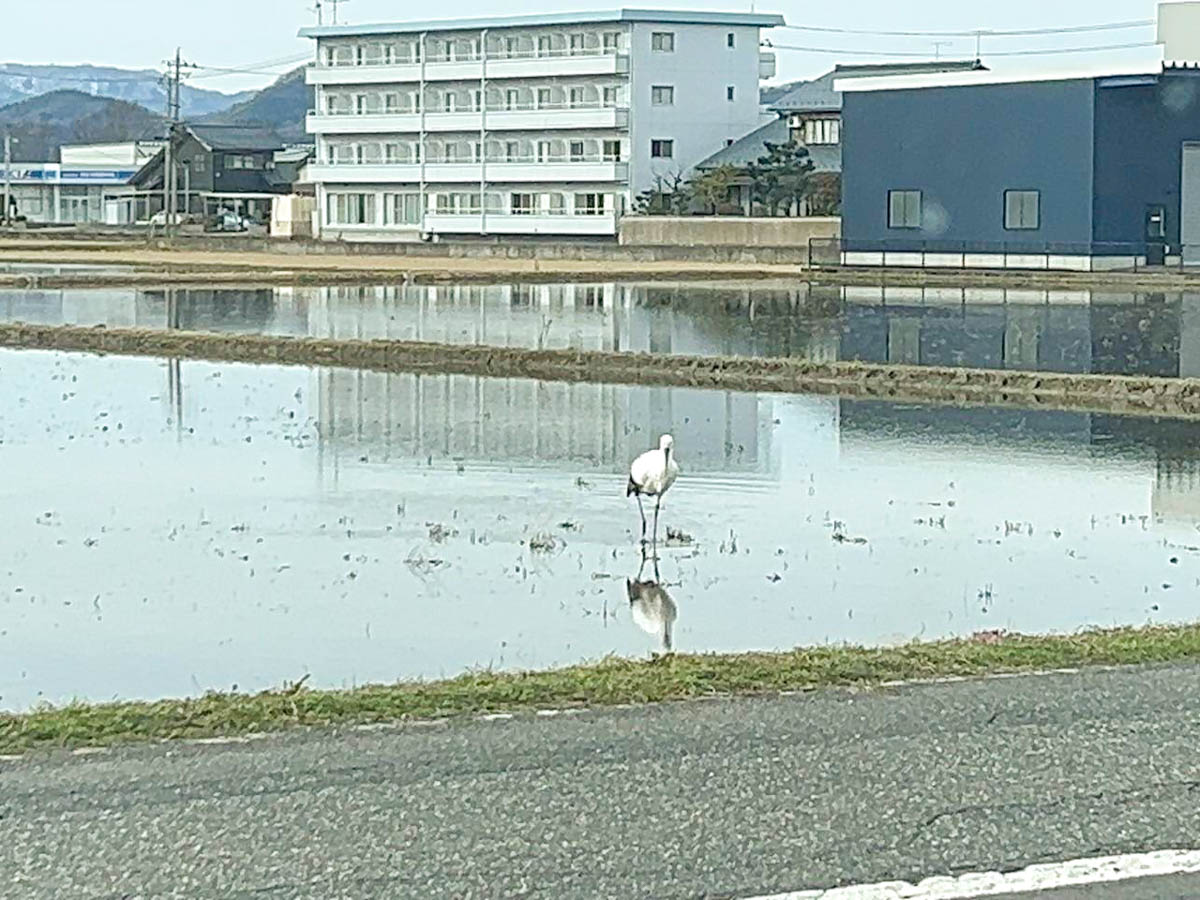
(612, 681)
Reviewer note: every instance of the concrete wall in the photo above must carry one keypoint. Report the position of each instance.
(1140, 131)
(963, 147)
(701, 119)
(724, 231)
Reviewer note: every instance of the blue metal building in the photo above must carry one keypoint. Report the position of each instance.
(1072, 168)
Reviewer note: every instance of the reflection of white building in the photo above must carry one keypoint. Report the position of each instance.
(525, 422)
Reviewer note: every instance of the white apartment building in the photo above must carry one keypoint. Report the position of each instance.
(532, 124)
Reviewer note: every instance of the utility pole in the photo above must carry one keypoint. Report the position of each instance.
(335, 4)
(7, 177)
(319, 11)
(170, 176)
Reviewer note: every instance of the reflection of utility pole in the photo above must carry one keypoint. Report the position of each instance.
(174, 369)
(937, 48)
(979, 45)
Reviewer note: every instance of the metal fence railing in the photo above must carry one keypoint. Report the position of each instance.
(1084, 256)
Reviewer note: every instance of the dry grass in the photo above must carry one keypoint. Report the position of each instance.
(612, 681)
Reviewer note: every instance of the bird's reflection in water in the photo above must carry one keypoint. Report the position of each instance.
(651, 606)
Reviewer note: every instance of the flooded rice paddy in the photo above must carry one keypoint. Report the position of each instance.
(176, 527)
(1046, 330)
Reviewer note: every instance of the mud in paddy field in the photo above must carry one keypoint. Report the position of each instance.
(186, 526)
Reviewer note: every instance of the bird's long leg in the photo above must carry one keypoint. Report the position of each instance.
(643, 512)
(654, 537)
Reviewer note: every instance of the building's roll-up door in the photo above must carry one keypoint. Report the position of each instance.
(1189, 222)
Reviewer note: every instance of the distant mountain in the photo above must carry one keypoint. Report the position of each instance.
(41, 124)
(144, 86)
(282, 106)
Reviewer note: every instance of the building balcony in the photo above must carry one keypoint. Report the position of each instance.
(496, 172)
(562, 63)
(511, 223)
(544, 118)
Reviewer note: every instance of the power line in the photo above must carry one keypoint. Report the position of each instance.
(1023, 32)
(892, 53)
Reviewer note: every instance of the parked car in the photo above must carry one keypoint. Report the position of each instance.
(227, 220)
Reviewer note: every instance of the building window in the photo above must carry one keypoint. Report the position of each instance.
(512, 151)
(449, 103)
(577, 44)
(351, 209)
(904, 209)
(612, 151)
(576, 151)
(556, 204)
(662, 95)
(611, 41)
(589, 204)
(729, 93)
(662, 41)
(578, 97)
(239, 161)
(822, 131)
(543, 98)
(401, 209)
(609, 94)
(199, 164)
(512, 47)
(391, 102)
(545, 45)
(476, 151)
(523, 204)
(1022, 210)
(512, 99)
(730, 40)
(544, 151)
(662, 149)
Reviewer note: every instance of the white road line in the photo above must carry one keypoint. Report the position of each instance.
(1042, 877)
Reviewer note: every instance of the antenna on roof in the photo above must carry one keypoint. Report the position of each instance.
(316, 7)
(335, 4)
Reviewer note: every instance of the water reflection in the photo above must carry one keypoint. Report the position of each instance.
(652, 609)
(248, 524)
(1152, 333)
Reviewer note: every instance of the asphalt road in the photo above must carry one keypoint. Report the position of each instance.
(726, 798)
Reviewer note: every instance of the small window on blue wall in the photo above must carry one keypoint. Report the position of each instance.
(1022, 210)
(904, 209)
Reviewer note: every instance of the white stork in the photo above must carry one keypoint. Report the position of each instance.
(651, 474)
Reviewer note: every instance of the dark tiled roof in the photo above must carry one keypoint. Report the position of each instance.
(819, 95)
(749, 148)
(236, 137)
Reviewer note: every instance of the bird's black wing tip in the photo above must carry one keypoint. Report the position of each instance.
(630, 488)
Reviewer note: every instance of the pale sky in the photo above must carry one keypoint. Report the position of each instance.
(241, 33)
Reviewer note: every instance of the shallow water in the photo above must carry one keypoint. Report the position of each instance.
(1063, 331)
(179, 527)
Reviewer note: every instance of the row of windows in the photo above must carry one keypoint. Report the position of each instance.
(664, 94)
(405, 208)
(510, 47)
(1022, 210)
(580, 97)
(544, 151)
(404, 153)
(401, 102)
